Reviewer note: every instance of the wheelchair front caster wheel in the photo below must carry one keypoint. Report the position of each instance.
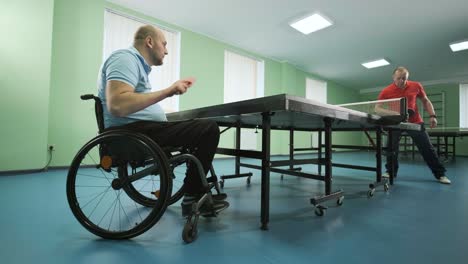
(339, 202)
(320, 210)
(386, 187)
(248, 180)
(190, 232)
(370, 193)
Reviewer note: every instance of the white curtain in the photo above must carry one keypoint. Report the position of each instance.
(243, 79)
(464, 105)
(118, 34)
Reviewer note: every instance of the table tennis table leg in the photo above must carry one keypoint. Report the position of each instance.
(237, 162)
(438, 145)
(265, 195)
(316, 201)
(319, 151)
(378, 154)
(391, 152)
(291, 152)
(453, 148)
(328, 156)
(378, 157)
(446, 147)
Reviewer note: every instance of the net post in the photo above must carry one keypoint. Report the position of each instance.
(403, 108)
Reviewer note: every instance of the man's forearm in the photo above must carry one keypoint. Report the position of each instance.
(429, 108)
(127, 103)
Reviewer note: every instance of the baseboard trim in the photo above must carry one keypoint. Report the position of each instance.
(30, 171)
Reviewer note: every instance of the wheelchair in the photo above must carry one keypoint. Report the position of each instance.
(120, 183)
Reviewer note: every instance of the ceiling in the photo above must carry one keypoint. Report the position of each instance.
(411, 33)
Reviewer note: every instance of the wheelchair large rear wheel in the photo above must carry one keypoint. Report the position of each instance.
(98, 189)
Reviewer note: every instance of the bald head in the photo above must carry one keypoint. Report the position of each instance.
(145, 31)
(151, 44)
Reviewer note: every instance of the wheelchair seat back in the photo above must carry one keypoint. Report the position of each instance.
(121, 150)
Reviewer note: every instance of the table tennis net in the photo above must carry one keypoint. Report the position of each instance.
(391, 111)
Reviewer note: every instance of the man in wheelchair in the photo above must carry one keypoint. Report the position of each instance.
(129, 103)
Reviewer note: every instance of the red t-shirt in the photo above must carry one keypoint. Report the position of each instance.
(411, 92)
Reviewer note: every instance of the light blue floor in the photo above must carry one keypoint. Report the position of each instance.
(417, 221)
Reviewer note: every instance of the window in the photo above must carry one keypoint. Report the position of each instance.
(464, 105)
(316, 90)
(118, 34)
(243, 79)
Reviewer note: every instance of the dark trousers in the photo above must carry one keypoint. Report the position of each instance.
(422, 141)
(200, 136)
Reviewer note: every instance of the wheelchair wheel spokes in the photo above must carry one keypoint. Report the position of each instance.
(145, 191)
(100, 198)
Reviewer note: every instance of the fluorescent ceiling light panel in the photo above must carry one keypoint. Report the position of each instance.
(311, 24)
(375, 64)
(463, 45)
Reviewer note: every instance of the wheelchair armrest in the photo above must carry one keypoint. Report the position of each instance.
(87, 96)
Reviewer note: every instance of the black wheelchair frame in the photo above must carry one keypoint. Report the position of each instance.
(120, 183)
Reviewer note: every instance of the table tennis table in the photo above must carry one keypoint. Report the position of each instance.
(287, 112)
(443, 139)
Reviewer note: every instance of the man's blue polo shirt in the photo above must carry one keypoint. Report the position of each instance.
(127, 65)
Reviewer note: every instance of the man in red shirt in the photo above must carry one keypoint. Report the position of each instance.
(402, 87)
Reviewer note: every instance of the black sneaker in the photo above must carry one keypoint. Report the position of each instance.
(205, 210)
(218, 196)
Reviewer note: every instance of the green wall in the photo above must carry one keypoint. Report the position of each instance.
(63, 64)
(76, 57)
(452, 110)
(25, 52)
(341, 95)
(452, 102)
(293, 81)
